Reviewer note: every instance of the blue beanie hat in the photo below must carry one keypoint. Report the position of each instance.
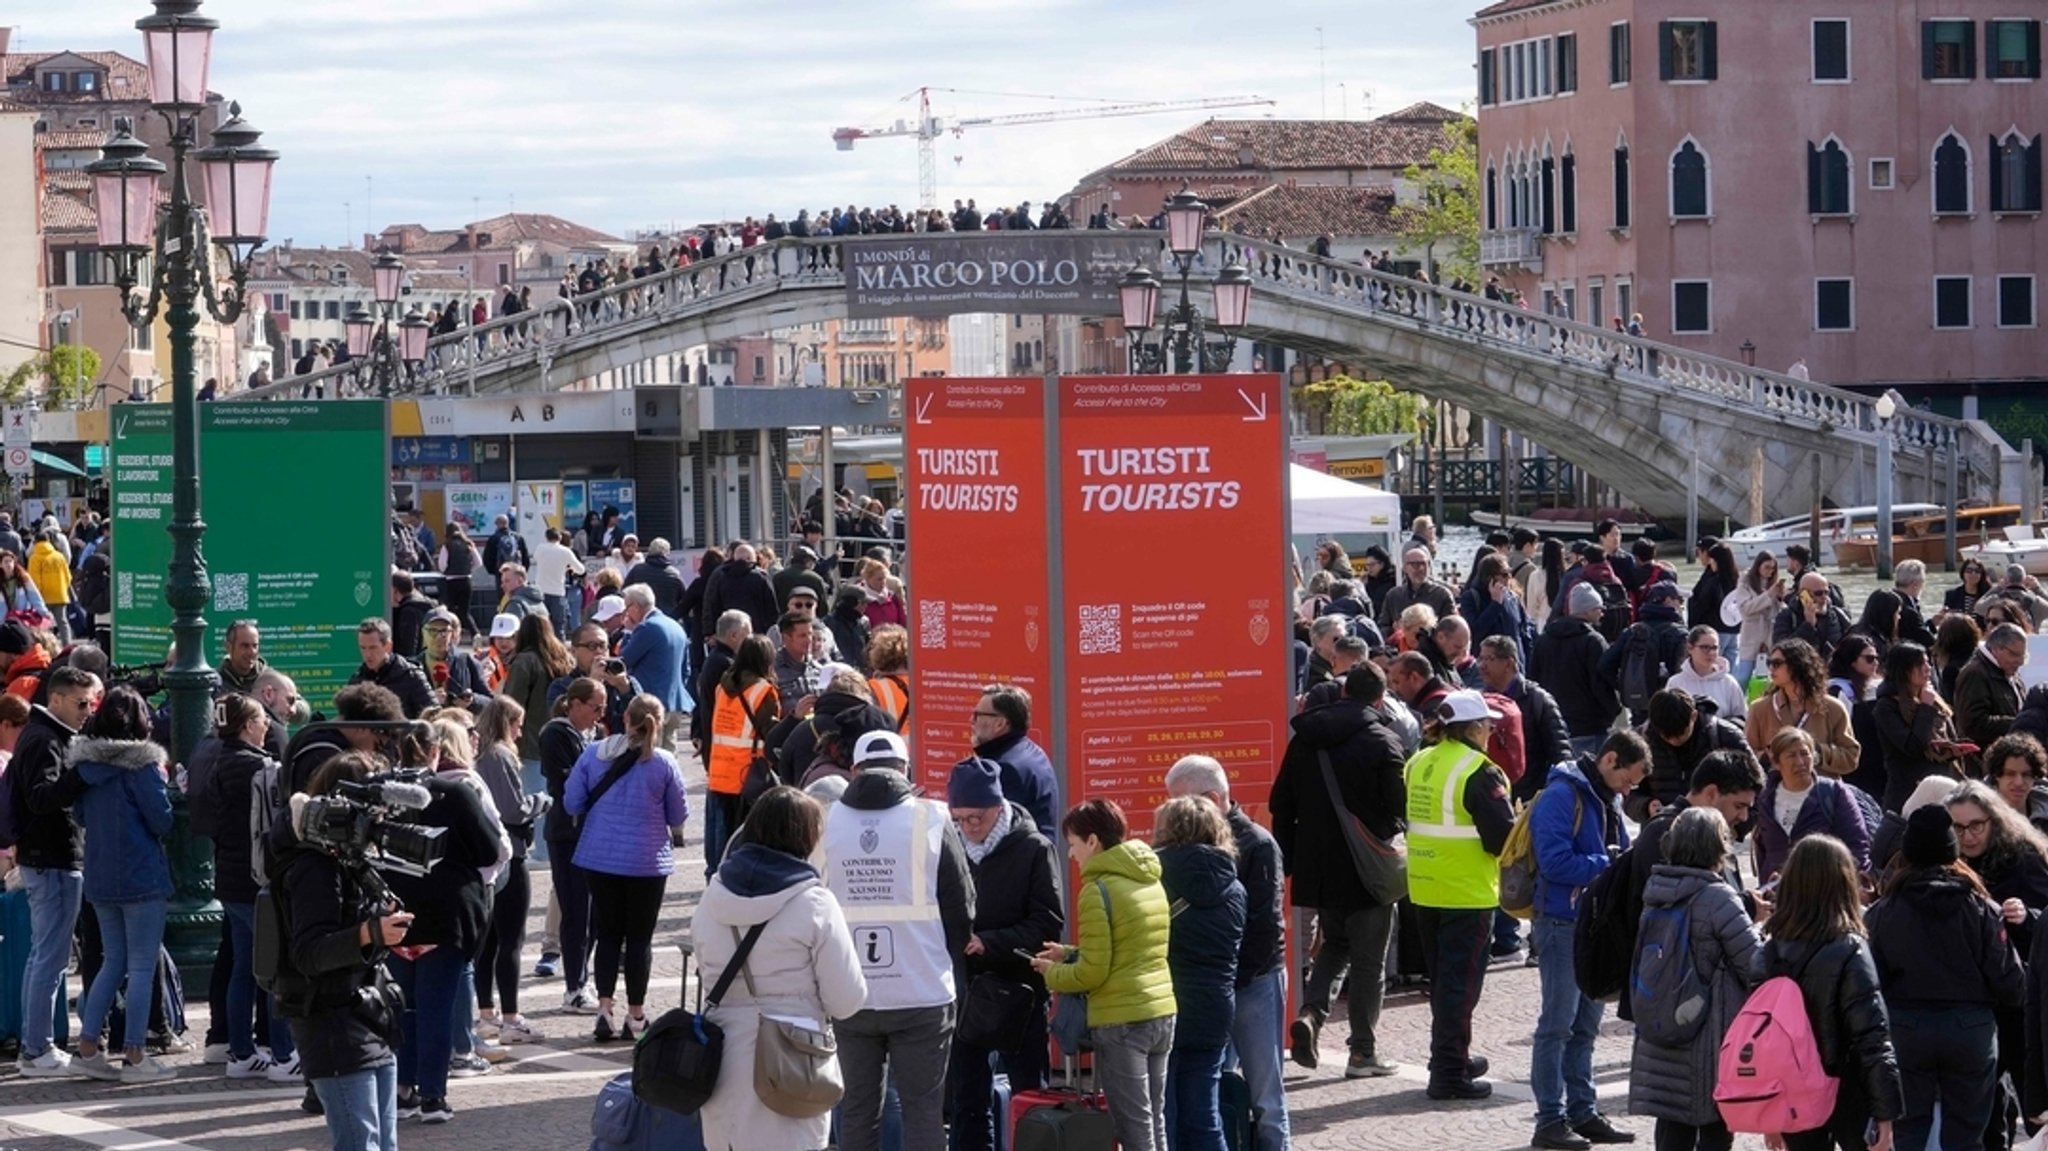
(976, 782)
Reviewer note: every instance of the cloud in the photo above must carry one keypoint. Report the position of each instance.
(630, 113)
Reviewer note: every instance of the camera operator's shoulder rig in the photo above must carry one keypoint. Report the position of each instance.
(370, 824)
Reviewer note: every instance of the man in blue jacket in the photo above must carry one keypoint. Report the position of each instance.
(653, 654)
(1575, 830)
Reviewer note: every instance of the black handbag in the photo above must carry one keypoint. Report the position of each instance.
(996, 1012)
(761, 775)
(675, 1066)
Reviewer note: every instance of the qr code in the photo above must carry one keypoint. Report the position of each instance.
(1102, 629)
(231, 592)
(124, 594)
(931, 623)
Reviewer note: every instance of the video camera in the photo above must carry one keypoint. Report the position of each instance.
(366, 822)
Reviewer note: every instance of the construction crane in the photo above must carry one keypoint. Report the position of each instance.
(929, 128)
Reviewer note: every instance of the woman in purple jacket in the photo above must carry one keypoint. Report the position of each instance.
(628, 793)
(1797, 802)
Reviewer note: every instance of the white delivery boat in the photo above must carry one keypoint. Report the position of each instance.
(1835, 524)
(2022, 545)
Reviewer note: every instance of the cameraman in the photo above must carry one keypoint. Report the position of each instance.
(332, 991)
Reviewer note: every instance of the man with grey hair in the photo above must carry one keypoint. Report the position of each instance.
(1988, 689)
(658, 571)
(1416, 586)
(1346, 652)
(1321, 635)
(1000, 725)
(731, 631)
(1909, 579)
(1566, 661)
(1261, 958)
(653, 654)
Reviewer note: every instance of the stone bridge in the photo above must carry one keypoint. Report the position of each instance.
(1631, 411)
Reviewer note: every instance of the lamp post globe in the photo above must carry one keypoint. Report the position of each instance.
(1186, 216)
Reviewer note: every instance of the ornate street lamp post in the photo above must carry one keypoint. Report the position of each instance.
(369, 334)
(1183, 343)
(168, 244)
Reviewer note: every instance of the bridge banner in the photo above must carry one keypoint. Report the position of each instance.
(1044, 273)
(1172, 558)
(974, 462)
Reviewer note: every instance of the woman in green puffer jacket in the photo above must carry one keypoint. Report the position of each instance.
(1119, 963)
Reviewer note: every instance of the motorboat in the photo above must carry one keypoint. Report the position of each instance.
(1925, 538)
(1836, 524)
(1577, 523)
(2023, 544)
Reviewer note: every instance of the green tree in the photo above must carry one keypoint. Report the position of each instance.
(1443, 219)
(73, 370)
(1345, 406)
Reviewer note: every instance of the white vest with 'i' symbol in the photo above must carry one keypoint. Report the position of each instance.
(884, 868)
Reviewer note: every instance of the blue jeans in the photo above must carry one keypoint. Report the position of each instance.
(242, 991)
(130, 934)
(433, 986)
(1567, 1024)
(53, 899)
(362, 1109)
(1255, 1040)
(721, 820)
(558, 613)
(1194, 1121)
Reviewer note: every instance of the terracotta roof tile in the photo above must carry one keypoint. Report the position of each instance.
(1305, 211)
(1507, 6)
(1395, 141)
(127, 79)
(70, 141)
(494, 234)
(313, 266)
(67, 211)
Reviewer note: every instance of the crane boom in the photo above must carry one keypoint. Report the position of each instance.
(927, 128)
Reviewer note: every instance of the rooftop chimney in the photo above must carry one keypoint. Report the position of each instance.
(5, 34)
(472, 237)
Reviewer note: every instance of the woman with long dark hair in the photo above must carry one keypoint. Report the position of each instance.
(1854, 668)
(1762, 593)
(497, 966)
(1948, 970)
(1799, 698)
(1718, 580)
(539, 658)
(1880, 620)
(745, 706)
(1913, 724)
(18, 593)
(2011, 857)
(1380, 575)
(628, 790)
(1976, 583)
(1544, 580)
(1817, 937)
(578, 720)
(1955, 641)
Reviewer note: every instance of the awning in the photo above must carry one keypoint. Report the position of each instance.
(55, 463)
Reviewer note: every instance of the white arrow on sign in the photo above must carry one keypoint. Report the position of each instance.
(924, 405)
(1258, 407)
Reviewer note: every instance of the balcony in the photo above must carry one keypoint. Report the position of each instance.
(1516, 247)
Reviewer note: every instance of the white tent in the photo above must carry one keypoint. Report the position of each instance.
(1325, 505)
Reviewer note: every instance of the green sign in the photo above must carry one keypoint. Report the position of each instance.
(296, 498)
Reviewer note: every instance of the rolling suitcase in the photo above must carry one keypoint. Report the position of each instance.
(619, 1121)
(1061, 1119)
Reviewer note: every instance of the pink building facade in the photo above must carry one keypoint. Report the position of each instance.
(1852, 185)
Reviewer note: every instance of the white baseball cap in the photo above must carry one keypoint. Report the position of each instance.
(881, 749)
(504, 625)
(608, 609)
(1466, 707)
(821, 679)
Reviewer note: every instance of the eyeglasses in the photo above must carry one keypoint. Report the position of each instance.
(979, 714)
(593, 645)
(1974, 827)
(1706, 647)
(1867, 657)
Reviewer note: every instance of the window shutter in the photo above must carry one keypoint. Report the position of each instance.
(1664, 49)
(2033, 175)
(2033, 49)
(1990, 51)
(1486, 77)
(1710, 53)
(1815, 176)
(1997, 186)
(1969, 53)
(1927, 49)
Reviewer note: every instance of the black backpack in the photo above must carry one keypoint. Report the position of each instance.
(1604, 936)
(1615, 613)
(1642, 673)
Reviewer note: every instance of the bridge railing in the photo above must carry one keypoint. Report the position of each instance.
(1618, 354)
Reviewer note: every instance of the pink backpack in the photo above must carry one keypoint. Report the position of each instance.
(1770, 1077)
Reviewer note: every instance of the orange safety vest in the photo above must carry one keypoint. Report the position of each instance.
(892, 695)
(734, 742)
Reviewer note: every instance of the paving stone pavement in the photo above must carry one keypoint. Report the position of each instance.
(541, 1101)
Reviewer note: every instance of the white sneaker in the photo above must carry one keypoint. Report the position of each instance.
(147, 1071)
(216, 1054)
(53, 1062)
(580, 1002)
(492, 1051)
(254, 1067)
(95, 1066)
(286, 1072)
(485, 1027)
(518, 1031)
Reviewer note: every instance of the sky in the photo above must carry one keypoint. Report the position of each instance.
(636, 114)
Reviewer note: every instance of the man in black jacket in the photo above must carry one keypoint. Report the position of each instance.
(659, 573)
(1567, 663)
(1681, 734)
(1017, 907)
(740, 583)
(389, 670)
(51, 854)
(1545, 741)
(801, 572)
(732, 630)
(409, 610)
(1365, 758)
(1261, 957)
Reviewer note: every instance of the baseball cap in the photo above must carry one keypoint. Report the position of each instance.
(504, 625)
(1664, 589)
(881, 749)
(826, 673)
(608, 609)
(443, 615)
(1465, 707)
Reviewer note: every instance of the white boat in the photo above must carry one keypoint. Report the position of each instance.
(1566, 522)
(1835, 523)
(2022, 545)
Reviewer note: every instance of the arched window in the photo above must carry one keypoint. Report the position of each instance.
(1689, 192)
(1621, 185)
(1568, 192)
(1951, 175)
(1547, 179)
(2016, 174)
(1492, 198)
(1827, 179)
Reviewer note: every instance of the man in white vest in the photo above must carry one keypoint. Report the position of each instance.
(900, 872)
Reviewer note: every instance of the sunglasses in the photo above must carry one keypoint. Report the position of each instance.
(1775, 661)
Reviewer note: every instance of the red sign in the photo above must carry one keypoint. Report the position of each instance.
(974, 462)
(1173, 550)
